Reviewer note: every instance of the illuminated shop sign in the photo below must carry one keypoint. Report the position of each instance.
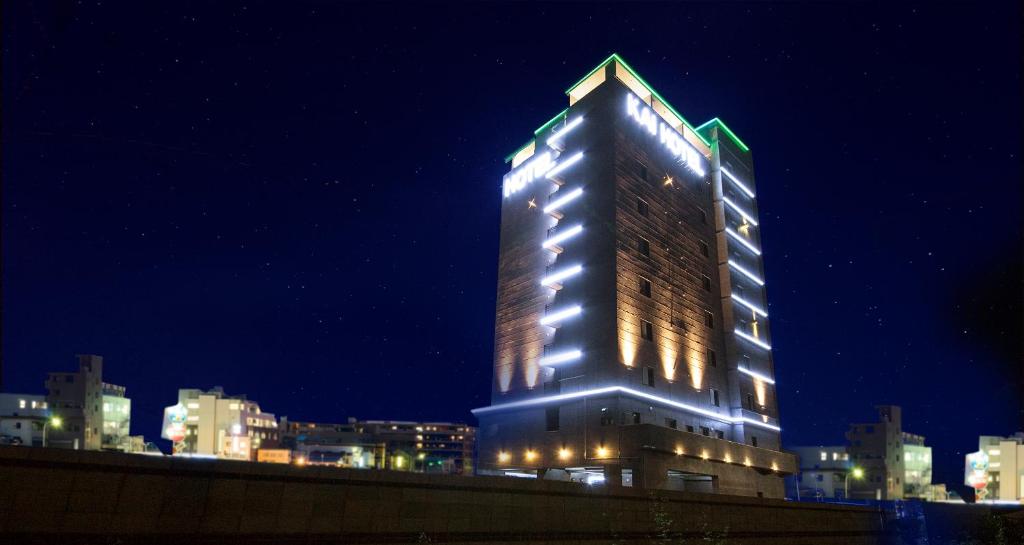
(672, 140)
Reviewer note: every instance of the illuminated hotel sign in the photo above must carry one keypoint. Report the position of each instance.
(671, 139)
(518, 179)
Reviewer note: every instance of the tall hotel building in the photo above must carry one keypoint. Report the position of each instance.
(632, 340)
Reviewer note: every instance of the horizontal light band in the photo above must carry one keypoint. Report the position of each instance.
(525, 403)
(563, 200)
(562, 357)
(565, 130)
(740, 211)
(758, 376)
(560, 315)
(748, 304)
(746, 273)
(564, 165)
(748, 420)
(736, 181)
(742, 240)
(563, 236)
(561, 275)
(752, 340)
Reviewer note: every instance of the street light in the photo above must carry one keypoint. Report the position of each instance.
(858, 474)
(55, 421)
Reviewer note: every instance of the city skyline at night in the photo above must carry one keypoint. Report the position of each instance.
(305, 206)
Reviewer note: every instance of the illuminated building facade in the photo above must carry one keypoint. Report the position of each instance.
(996, 470)
(631, 339)
(425, 447)
(216, 425)
(76, 399)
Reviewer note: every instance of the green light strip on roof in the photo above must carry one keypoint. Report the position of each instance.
(616, 57)
(519, 149)
(728, 132)
(556, 119)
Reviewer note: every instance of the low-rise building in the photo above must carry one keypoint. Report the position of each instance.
(24, 419)
(117, 419)
(996, 469)
(215, 424)
(880, 461)
(428, 447)
(824, 472)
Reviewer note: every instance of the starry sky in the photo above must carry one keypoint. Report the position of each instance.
(299, 201)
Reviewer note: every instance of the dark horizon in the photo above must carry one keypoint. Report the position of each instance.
(302, 205)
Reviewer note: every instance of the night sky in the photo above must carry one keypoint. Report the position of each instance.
(300, 201)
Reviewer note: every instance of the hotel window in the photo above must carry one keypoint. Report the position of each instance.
(21, 403)
(643, 246)
(703, 216)
(753, 440)
(720, 434)
(646, 330)
(643, 171)
(641, 207)
(606, 417)
(671, 423)
(750, 401)
(714, 397)
(709, 319)
(705, 282)
(648, 377)
(712, 358)
(824, 456)
(552, 419)
(704, 430)
(636, 418)
(689, 428)
(645, 287)
(704, 250)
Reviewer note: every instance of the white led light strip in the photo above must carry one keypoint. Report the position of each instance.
(746, 273)
(564, 165)
(561, 275)
(565, 130)
(563, 236)
(560, 315)
(742, 240)
(563, 200)
(736, 181)
(758, 376)
(627, 391)
(748, 304)
(563, 357)
(751, 340)
(740, 211)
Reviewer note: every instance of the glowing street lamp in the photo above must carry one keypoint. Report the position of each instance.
(858, 473)
(54, 422)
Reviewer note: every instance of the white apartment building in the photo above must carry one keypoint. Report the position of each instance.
(999, 466)
(214, 424)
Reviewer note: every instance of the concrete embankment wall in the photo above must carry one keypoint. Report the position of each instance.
(61, 496)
